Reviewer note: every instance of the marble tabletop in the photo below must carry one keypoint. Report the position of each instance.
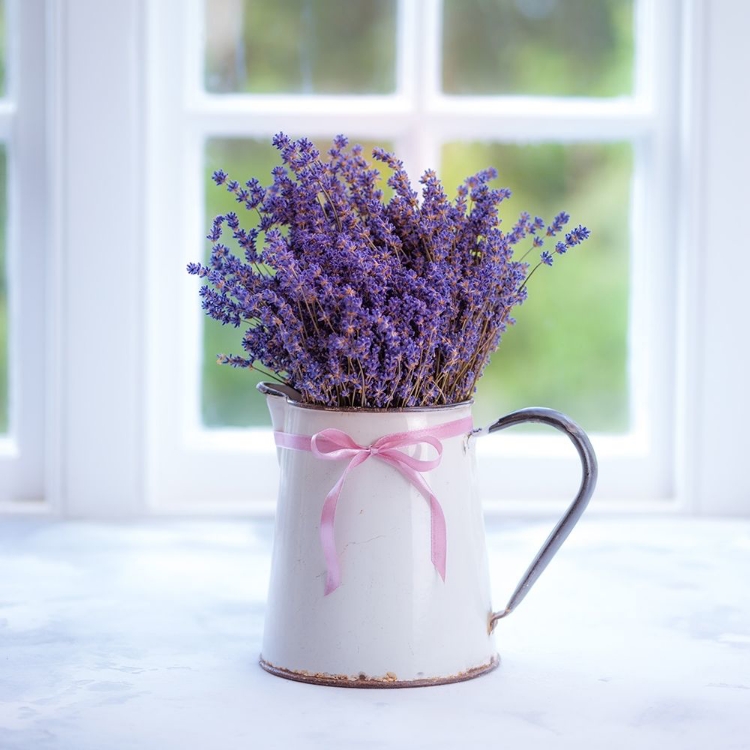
(146, 635)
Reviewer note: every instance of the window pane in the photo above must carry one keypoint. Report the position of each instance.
(538, 47)
(3, 296)
(569, 348)
(300, 46)
(228, 396)
(3, 63)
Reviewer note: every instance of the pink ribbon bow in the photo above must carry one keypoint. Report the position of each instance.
(334, 445)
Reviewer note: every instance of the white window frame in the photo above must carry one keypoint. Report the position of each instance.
(121, 124)
(22, 132)
(418, 118)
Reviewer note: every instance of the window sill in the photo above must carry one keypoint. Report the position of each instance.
(637, 632)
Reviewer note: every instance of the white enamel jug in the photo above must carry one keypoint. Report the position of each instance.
(389, 589)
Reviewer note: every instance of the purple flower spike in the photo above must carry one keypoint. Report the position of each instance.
(359, 302)
(578, 235)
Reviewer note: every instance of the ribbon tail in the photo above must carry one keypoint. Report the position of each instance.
(438, 532)
(328, 539)
(438, 536)
(327, 518)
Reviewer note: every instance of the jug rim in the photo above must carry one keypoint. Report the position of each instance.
(273, 390)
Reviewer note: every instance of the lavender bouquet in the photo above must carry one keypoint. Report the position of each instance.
(358, 302)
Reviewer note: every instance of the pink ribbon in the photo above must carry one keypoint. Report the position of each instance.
(334, 445)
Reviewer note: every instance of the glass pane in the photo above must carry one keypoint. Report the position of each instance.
(569, 348)
(228, 396)
(3, 63)
(538, 47)
(3, 296)
(300, 46)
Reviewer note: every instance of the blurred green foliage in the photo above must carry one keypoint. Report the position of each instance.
(569, 348)
(538, 47)
(301, 46)
(3, 295)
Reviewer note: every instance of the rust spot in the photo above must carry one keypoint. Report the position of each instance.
(389, 680)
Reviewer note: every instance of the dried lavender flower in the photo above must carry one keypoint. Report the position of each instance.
(354, 301)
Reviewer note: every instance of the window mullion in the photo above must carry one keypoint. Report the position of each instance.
(407, 31)
(246, 124)
(540, 125)
(421, 148)
(193, 53)
(255, 105)
(464, 124)
(431, 51)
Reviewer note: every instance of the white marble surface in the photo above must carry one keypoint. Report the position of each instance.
(146, 636)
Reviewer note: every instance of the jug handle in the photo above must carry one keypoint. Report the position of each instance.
(565, 525)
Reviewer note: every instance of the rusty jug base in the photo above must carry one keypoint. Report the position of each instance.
(389, 680)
